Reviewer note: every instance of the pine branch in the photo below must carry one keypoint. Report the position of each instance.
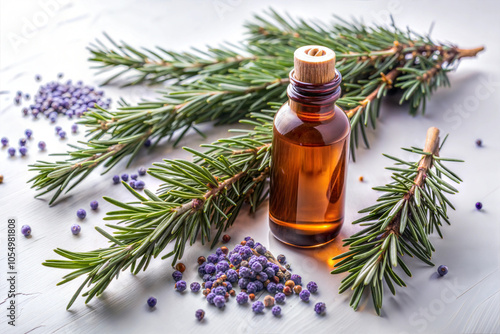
(412, 206)
(371, 60)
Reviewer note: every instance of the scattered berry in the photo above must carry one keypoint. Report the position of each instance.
(219, 301)
(177, 275)
(81, 213)
(116, 179)
(94, 205)
(147, 143)
(62, 134)
(361, 179)
(58, 129)
(287, 291)
(140, 185)
(22, 142)
(479, 143)
(125, 177)
(141, 171)
(180, 267)
(75, 229)
(320, 308)
(201, 260)
(479, 205)
(268, 301)
(297, 289)
(281, 259)
(200, 314)
(38, 77)
(23, 150)
(28, 133)
(26, 230)
(195, 286)
(226, 238)
(11, 151)
(74, 128)
(5, 141)
(152, 302)
(1, 178)
(276, 310)
(442, 270)
(60, 75)
(296, 279)
(312, 287)
(133, 176)
(180, 286)
(304, 295)
(258, 307)
(42, 145)
(242, 298)
(280, 298)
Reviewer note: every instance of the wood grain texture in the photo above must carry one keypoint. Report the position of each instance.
(464, 301)
(314, 64)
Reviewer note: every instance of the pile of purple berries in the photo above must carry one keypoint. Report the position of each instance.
(69, 99)
(134, 183)
(252, 268)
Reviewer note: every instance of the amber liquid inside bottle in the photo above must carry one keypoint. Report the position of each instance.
(309, 165)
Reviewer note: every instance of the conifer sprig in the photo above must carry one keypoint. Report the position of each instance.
(195, 197)
(412, 206)
(372, 60)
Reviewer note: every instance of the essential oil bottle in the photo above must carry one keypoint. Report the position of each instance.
(309, 153)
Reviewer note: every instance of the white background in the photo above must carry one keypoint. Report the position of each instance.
(467, 300)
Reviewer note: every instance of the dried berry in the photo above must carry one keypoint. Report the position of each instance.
(361, 179)
(268, 301)
(479, 143)
(200, 314)
(281, 259)
(287, 291)
(297, 289)
(224, 250)
(81, 213)
(195, 286)
(304, 295)
(201, 260)
(94, 205)
(1, 178)
(42, 145)
(177, 275)
(442, 270)
(26, 230)
(320, 308)
(226, 238)
(312, 287)
(180, 267)
(75, 229)
(290, 284)
(251, 296)
(180, 286)
(258, 307)
(280, 297)
(152, 302)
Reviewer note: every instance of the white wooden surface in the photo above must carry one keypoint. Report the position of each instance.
(467, 300)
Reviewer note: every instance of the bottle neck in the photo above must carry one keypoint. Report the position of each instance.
(314, 102)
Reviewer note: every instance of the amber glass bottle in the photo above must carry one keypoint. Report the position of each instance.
(309, 154)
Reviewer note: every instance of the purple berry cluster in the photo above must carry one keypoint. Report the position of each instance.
(69, 99)
(134, 182)
(253, 269)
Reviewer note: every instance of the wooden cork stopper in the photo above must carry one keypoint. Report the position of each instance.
(314, 64)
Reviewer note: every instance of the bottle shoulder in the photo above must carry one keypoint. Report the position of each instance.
(289, 125)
